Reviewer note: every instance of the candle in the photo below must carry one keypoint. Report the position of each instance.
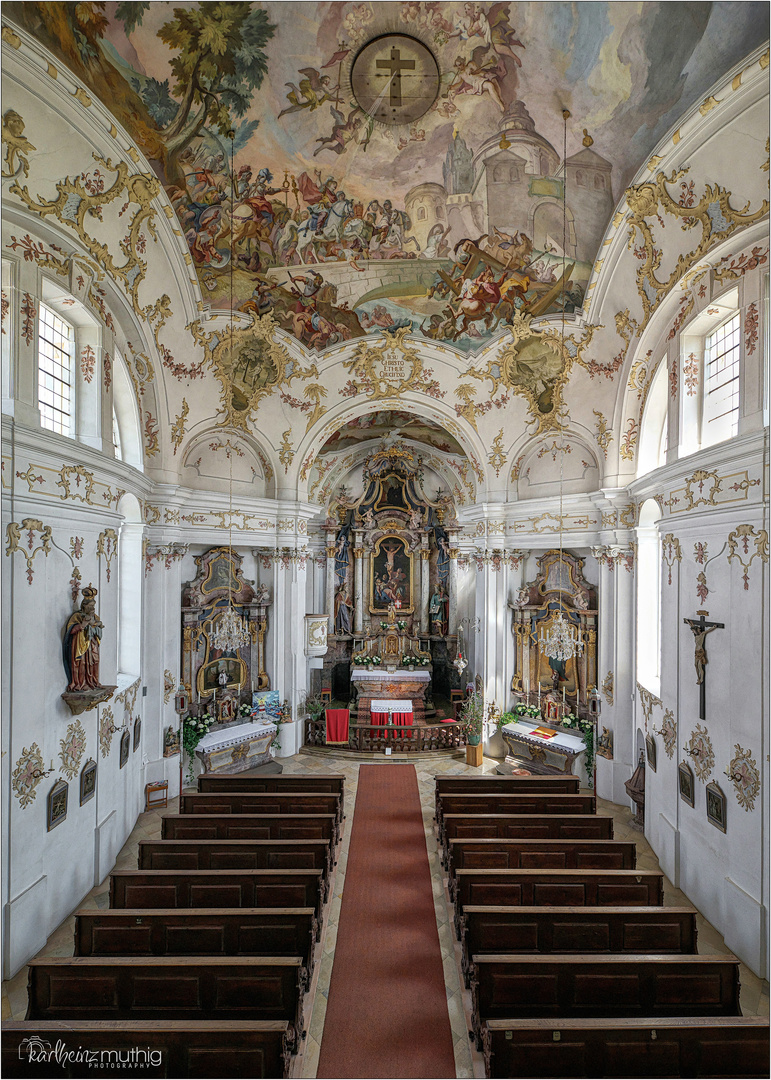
(563, 695)
(539, 693)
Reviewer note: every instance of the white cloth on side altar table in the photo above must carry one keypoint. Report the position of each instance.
(232, 736)
(403, 705)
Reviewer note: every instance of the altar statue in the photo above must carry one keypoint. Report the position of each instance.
(82, 635)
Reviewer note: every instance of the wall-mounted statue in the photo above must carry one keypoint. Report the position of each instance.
(80, 652)
(439, 610)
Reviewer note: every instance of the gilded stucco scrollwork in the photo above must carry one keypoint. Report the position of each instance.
(607, 688)
(739, 547)
(671, 552)
(29, 526)
(389, 370)
(713, 213)
(107, 547)
(536, 364)
(668, 733)
(699, 749)
(73, 746)
(75, 203)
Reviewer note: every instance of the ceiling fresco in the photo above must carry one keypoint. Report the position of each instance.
(395, 166)
(389, 423)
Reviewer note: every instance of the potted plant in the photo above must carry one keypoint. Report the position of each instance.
(473, 716)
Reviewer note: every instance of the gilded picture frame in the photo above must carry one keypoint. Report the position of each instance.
(686, 783)
(391, 576)
(716, 806)
(137, 732)
(650, 752)
(56, 804)
(125, 747)
(88, 781)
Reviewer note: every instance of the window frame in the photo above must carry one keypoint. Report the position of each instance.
(42, 373)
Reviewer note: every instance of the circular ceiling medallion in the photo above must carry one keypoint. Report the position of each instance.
(395, 79)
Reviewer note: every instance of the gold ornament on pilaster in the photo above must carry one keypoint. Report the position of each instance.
(739, 544)
(607, 687)
(286, 453)
(497, 457)
(107, 547)
(602, 434)
(30, 526)
(178, 427)
(668, 732)
(561, 641)
(647, 702)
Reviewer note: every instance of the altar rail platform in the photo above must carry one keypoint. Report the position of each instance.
(401, 738)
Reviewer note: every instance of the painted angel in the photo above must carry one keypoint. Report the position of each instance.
(313, 91)
(344, 130)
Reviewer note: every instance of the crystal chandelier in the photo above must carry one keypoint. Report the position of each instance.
(561, 641)
(230, 633)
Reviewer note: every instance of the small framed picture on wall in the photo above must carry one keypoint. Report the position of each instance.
(685, 780)
(716, 806)
(650, 751)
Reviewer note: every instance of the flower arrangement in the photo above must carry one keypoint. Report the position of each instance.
(376, 660)
(409, 660)
(473, 716)
(401, 624)
(361, 659)
(532, 712)
(245, 709)
(193, 730)
(586, 728)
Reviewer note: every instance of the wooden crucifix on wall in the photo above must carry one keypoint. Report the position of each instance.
(700, 628)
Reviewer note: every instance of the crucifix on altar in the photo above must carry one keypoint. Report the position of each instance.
(700, 628)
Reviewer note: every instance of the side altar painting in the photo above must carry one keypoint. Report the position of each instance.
(433, 153)
(223, 681)
(559, 589)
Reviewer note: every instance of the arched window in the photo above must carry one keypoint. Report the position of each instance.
(648, 598)
(652, 452)
(599, 182)
(440, 212)
(55, 381)
(514, 174)
(500, 174)
(421, 213)
(579, 178)
(722, 353)
(127, 434)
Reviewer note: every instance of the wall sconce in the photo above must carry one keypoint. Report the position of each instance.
(41, 774)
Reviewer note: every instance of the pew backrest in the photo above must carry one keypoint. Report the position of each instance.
(249, 827)
(235, 855)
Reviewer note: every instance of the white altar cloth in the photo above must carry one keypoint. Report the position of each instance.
(522, 728)
(402, 705)
(232, 735)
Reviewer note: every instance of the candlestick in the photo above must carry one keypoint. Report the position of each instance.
(563, 695)
(539, 693)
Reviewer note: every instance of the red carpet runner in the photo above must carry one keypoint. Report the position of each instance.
(387, 1006)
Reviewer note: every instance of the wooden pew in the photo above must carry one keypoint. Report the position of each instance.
(162, 1048)
(198, 932)
(538, 855)
(587, 985)
(264, 802)
(522, 826)
(631, 1047)
(537, 803)
(471, 785)
(329, 782)
(557, 888)
(235, 855)
(498, 930)
(192, 988)
(217, 889)
(250, 827)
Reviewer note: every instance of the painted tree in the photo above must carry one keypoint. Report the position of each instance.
(219, 64)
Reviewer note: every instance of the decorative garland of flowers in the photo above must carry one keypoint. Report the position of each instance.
(193, 730)
(586, 727)
(408, 660)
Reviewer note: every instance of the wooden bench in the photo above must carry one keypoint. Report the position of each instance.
(497, 930)
(329, 782)
(236, 855)
(162, 1048)
(538, 855)
(217, 889)
(471, 785)
(196, 988)
(198, 932)
(537, 803)
(264, 802)
(250, 827)
(630, 1047)
(557, 888)
(587, 985)
(522, 827)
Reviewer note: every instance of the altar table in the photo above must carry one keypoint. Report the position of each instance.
(399, 710)
(560, 754)
(236, 747)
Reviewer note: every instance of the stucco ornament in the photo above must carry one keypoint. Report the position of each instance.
(699, 749)
(743, 771)
(73, 746)
(24, 781)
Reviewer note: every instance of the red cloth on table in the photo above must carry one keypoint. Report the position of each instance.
(337, 726)
(381, 719)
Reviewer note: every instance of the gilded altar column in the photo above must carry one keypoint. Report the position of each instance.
(358, 582)
(331, 581)
(453, 612)
(424, 568)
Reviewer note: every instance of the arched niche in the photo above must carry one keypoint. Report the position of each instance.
(539, 472)
(210, 456)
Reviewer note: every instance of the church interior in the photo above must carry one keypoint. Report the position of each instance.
(385, 402)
